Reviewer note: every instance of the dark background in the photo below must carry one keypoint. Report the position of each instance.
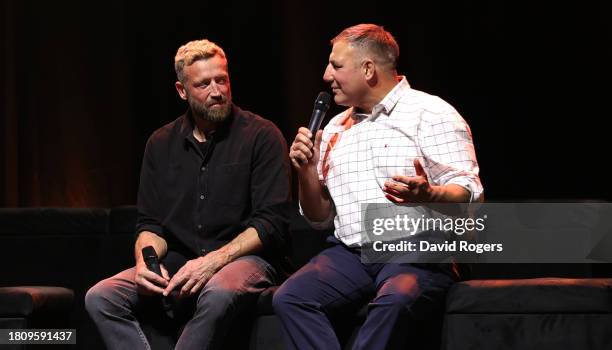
(84, 84)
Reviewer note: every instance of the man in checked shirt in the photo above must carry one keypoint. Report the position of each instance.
(393, 144)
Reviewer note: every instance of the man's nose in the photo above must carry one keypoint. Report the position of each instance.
(327, 76)
(215, 91)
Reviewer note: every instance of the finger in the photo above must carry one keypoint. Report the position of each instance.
(299, 157)
(304, 140)
(164, 272)
(305, 131)
(177, 280)
(295, 163)
(299, 147)
(394, 199)
(402, 178)
(187, 286)
(390, 185)
(153, 277)
(149, 286)
(419, 168)
(409, 181)
(395, 192)
(196, 287)
(399, 185)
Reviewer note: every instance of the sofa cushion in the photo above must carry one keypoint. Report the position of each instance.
(536, 295)
(28, 300)
(538, 331)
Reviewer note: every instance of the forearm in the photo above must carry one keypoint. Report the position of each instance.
(314, 199)
(247, 242)
(147, 238)
(451, 193)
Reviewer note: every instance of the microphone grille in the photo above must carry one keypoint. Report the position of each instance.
(323, 100)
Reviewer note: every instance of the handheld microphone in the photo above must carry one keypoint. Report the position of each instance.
(321, 106)
(152, 261)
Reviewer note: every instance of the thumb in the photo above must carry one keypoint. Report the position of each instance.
(317, 141)
(419, 168)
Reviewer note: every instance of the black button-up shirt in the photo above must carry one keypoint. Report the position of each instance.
(199, 198)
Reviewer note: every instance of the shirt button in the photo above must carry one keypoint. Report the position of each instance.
(199, 227)
(201, 196)
(203, 168)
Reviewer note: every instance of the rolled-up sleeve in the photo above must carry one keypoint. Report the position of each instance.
(448, 152)
(327, 223)
(271, 189)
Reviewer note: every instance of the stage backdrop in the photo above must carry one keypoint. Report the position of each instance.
(83, 84)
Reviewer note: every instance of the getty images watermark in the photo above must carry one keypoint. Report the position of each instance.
(411, 226)
(487, 232)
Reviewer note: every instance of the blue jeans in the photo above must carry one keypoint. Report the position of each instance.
(336, 281)
(114, 305)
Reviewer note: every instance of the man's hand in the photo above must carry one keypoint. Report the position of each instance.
(411, 189)
(195, 273)
(148, 282)
(303, 153)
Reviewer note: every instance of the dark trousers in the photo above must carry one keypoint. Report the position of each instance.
(335, 281)
(115, 306)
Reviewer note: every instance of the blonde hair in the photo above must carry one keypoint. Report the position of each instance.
(374, 39)
(193, 51)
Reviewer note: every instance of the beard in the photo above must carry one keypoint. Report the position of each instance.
(215, 113)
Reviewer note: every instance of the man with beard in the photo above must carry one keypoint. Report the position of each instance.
(213, 202)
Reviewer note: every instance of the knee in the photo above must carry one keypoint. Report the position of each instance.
(95, 299)
(105, 298)
(216, 301)
(399, 292)
(396, 300)
(283, 300)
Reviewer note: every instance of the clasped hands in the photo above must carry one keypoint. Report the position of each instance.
(191, 277)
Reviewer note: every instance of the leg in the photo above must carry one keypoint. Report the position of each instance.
(111, 304)
(229, 293)
(332, 280)
(406, 295)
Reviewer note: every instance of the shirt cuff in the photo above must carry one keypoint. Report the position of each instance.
(151, 228)
(320, 225)
(262, 229)
(473, 187)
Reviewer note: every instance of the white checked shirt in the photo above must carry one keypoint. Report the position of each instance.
(405, 125)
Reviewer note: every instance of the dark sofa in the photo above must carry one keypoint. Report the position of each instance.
(515, 306)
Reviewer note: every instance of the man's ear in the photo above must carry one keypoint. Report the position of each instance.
(368, 69)
(181, 90)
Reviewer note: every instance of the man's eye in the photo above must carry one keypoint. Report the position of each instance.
(222, 81)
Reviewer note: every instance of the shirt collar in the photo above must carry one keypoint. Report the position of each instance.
(387, 104)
